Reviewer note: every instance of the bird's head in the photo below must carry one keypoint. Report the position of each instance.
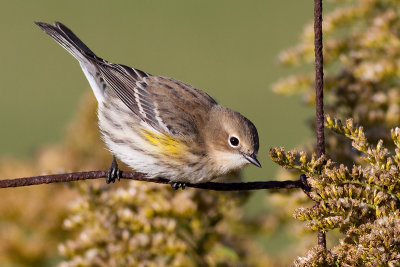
(232, 139)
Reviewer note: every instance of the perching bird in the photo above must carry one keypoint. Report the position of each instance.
(160, 126)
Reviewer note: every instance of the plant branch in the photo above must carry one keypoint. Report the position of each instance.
(137, 176)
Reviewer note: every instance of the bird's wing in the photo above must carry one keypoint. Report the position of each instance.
(165, 104)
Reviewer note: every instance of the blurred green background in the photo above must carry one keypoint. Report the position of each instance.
(226, 48)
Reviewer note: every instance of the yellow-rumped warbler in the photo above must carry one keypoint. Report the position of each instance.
(160, 126)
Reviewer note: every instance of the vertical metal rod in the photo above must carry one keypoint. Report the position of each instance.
(319, 91)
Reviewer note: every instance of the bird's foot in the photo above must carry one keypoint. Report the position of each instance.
(177, 185)
(113, 172)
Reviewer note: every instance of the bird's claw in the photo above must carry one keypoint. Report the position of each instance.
(177, 185)
(113, 172)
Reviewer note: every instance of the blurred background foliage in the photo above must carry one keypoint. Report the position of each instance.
(228, 49)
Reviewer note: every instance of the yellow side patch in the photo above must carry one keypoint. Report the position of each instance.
(165, 143)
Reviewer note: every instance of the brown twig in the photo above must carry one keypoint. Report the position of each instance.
(77, 176)
(319, 91)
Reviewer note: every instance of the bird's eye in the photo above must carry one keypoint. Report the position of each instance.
(233, 141)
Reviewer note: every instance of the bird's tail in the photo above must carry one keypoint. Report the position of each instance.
(67, 39)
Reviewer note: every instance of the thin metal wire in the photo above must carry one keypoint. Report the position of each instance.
(77, 176)
(319, 91)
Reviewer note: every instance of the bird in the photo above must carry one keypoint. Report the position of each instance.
(159, 126)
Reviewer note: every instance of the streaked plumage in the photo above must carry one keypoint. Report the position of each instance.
(158, 125)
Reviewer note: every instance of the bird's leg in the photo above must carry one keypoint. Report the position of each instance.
(177, 185)
(113, 172)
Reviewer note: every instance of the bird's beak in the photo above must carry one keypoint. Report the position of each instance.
(253, 159)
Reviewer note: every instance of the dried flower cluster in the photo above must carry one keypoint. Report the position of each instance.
(362, 201)
(362, 67)
(142, 224)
